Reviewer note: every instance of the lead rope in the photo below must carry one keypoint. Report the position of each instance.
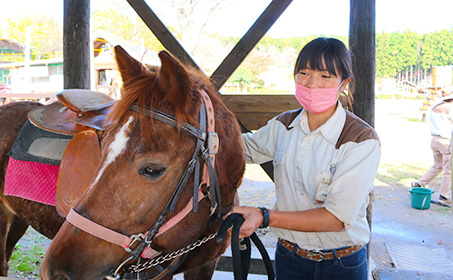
(241, 257)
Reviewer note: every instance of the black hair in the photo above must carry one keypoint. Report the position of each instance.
(334, 53)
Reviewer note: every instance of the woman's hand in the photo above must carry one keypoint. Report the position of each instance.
(253, 219)
(312, 220)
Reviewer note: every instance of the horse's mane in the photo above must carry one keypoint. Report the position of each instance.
(146, 91)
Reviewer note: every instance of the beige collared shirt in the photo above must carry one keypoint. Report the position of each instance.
(341, 157)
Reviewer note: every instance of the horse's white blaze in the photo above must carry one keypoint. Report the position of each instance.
(117, 146)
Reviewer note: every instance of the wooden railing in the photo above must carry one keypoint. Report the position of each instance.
(13, 97)
(254, 110)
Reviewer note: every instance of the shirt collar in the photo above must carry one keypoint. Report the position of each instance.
(297, 119)
(331, 130)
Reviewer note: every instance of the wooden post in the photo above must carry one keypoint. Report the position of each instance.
(362, 36)
(76, 44)
(362, 44)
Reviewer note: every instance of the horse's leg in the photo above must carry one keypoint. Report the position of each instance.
(5, 222)
(16, 231)
(203, 272)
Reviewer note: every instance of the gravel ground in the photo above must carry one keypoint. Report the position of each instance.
(406, 155)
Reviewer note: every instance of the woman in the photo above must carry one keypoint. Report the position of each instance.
(325, 160)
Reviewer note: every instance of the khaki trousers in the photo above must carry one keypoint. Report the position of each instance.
(442, 159)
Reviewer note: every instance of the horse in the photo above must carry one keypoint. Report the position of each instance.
(17, 214)
(171, 161)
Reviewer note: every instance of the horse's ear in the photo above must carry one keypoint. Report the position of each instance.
(128, 66)
(174, 80)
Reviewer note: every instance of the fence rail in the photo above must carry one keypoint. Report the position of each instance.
(13, 97)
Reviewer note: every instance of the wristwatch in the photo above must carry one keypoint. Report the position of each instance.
(266, 215)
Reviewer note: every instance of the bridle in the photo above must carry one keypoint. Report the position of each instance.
(207, 144)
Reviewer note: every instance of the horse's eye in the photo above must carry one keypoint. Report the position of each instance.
(152, 171)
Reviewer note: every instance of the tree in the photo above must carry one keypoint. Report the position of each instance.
(437, 49)
(192, 18)
(385, 64)
(46, 35)
(126, 26)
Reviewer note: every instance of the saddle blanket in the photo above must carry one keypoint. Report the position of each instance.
(31, 180)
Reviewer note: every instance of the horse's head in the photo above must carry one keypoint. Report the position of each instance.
(152, 157)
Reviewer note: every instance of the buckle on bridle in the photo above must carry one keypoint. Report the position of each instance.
(213, 143)
(135, 238)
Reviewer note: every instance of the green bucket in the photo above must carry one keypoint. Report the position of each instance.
(421, 198)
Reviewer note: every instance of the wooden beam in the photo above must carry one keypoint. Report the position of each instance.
(161, 31)
(248, 42)
(362, 36)
(234, 58)
(231, 62)
(255, 110)
(76, 44)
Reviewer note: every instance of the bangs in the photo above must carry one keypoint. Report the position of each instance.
(324, 54)
(317, 59)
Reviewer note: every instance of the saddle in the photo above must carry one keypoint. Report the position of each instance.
(80, 114)
(76, 110)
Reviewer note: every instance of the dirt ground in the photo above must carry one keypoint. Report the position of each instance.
(405, 148)
(406, 155)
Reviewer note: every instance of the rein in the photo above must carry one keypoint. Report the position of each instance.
(207, 144)
(241, 250)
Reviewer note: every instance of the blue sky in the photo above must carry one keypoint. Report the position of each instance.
(302, 18)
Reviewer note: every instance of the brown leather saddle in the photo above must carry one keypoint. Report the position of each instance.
(81, 114)
(76, 110)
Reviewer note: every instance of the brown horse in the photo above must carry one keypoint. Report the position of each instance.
(150, 153)
(16, 214)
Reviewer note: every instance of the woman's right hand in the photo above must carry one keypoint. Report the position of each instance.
(253, 219)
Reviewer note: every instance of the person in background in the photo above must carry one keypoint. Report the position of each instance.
(441, 125)
(325, 160)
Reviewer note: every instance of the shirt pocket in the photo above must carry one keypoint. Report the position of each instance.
(279, 168)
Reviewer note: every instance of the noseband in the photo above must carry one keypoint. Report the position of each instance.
(207, 144)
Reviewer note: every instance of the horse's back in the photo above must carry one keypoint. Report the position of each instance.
(12, 117)
(42, 217)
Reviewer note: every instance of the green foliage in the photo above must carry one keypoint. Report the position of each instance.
(242, 76)
(27, 261)
(399, 51)
(396, 52)
(130, 28)
(267, 91)
(46, 35)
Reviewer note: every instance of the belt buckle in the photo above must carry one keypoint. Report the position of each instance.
(312, 254)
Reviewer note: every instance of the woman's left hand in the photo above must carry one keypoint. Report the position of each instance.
(253, 219)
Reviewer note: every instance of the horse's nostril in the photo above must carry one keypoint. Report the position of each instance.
(61, 277)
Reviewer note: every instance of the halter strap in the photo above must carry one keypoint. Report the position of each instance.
(168, 119)
(122, 240)
(213, 138)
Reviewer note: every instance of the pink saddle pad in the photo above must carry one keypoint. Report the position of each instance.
(31, 180)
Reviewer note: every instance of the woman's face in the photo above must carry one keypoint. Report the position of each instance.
(317, 78)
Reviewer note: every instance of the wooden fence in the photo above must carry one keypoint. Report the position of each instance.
(253, 110)
(13, 97)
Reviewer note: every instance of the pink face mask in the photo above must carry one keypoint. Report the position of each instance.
(316, 100)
